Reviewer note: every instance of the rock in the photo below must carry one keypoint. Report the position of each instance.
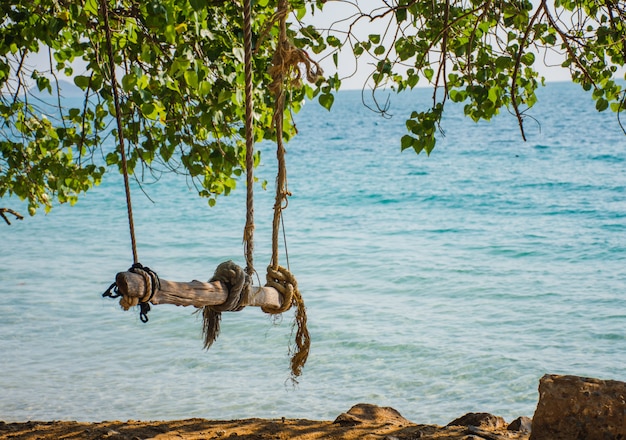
(573, 407)
(521, 424)
(345, 419)
(365, 413)
(481, 420)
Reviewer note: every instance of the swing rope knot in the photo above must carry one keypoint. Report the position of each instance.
(288, 58)
(152, 283)
(238, 283)
(285, 283)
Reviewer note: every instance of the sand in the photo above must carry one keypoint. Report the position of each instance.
(362, 421)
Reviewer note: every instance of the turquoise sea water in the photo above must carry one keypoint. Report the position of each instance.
(436, 285)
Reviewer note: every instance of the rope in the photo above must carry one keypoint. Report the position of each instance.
(248, 235)
(238, 285)
(152, 283)
(279, 71)
(288, 58)
(120, 133)
(285, 283)
(286, 67)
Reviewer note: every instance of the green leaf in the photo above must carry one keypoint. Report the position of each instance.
(406, 142)
(326, 100)
(43, 83)
(401, 15)
(112, 158)
(82, 81)
(142, 82)
(191, 77)
(198, 5)
(91, 7)
(412, 80)
(149, 110)
(503, 62)
(205, 88)
(129, 81)
(428, 73)
(528, 58)
(300, 12)
(457, 95)
(333, 41)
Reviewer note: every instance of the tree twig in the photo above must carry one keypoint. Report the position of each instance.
(17, 215)
(518, 61)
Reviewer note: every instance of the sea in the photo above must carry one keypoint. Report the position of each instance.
(435, 284)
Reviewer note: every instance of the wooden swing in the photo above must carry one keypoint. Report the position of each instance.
(230, 288)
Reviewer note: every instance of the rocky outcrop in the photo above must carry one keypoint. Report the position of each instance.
(521, 424)
(480, 420)
(573, 408)
(365, 413)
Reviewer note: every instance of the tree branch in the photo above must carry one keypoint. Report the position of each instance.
(518, 61)
(3, 212)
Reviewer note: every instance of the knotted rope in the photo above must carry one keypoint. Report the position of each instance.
(238, 283)
(285, 283)
(288, 58)
(152, 283)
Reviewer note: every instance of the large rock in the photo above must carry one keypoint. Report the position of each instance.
(521, 424)
(368, 414)
(579, 408)
(480, 420)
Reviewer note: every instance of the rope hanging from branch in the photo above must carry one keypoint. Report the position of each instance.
(229, 273)
(151, 278)
(286, 68)
(248, 235)
(120, 132)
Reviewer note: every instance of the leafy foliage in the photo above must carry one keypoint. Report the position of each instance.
(181, 77)
(485, 53)
(181, 70)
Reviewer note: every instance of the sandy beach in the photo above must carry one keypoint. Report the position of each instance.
(362, 421)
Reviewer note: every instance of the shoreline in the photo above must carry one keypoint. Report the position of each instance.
(362, 421)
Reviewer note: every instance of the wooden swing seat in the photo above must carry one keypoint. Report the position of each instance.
(194, 293)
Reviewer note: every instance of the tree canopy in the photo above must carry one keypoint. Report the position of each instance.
(181, 77)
